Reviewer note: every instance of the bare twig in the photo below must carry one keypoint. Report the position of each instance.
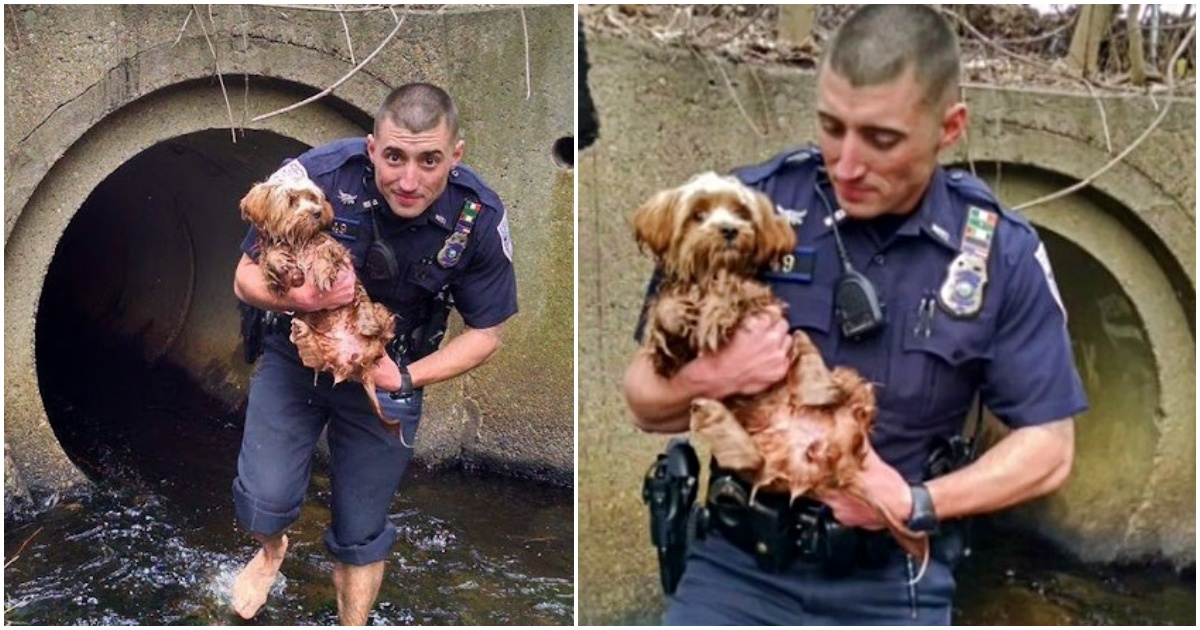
(528, 80)
(974, 31)
(22, 547)
(369, 8)
(217, 69)
(1129, 149)
(754, 18)
(340, 81)
(346, 29)
(184, 27)
(245, 67)
(1043, 36)
(1103, 115)
(16, 33)
(737, 101)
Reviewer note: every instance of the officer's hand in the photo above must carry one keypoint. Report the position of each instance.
(756, 358)
(884, 485)
(387, 375)
(308, 298)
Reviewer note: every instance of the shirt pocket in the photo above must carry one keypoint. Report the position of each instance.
(809, 307)
(938, 369)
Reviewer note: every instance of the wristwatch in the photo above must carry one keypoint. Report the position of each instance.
(406, 386)
(923, 519)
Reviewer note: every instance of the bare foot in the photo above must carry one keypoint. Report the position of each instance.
(252, 585)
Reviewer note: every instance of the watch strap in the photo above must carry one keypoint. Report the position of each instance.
(406, 384)
(923, 518)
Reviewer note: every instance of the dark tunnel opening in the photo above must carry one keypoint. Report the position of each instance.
(137, 341)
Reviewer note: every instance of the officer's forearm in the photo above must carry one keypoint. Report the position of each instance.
(470, 349)
(1026, 464)
(657, 404)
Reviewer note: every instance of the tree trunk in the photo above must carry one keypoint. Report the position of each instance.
(1137, 60)
(1094, 20)
(796, 23)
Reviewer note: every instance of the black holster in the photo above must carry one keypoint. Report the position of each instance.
(669, 490)
(425, 338)
(252, 331)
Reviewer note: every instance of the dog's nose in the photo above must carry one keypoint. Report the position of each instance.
(729, 233)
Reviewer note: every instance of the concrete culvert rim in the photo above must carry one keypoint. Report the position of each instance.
(139, 287)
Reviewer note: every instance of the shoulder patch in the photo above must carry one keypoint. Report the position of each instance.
(972, 188)
(1044, 261)
(751, 175)
(289, 172)
(463, 176)
(505, 237)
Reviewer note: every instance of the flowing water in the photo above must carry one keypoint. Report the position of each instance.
(156, 541)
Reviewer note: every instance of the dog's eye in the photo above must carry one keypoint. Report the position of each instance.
(700, 216)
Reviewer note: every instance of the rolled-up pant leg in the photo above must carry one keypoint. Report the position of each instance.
(284, 418)
(367, 464)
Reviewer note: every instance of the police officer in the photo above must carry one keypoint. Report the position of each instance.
(941, 294)
(423, 229)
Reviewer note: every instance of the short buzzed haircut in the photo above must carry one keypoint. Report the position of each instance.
(419, 107)
(882, 41)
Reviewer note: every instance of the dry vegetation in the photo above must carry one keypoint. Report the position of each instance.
(1002, 44)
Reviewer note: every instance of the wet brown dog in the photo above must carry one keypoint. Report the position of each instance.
(808, 434)
(291, 215)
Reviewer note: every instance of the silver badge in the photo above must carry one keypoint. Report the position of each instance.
(961, 294)
(346, 198)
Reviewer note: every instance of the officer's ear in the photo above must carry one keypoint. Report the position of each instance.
(954, 125)
(653, 222)
(460, 149)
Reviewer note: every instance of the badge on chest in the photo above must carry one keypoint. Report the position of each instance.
(453, 246)
(962, 291)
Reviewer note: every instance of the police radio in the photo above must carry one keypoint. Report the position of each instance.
(856, 302)
(380, 261)
(858, 308)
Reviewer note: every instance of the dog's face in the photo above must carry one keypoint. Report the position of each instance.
(712, 223)
(289, 210)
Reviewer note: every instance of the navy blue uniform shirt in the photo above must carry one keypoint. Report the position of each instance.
(926, 364)
(482, 281)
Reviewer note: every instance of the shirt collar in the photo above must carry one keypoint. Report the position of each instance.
(441, 213)
(939, 217)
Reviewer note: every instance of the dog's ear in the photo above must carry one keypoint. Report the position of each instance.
(775, 234)
(255, 205)
(654, 222)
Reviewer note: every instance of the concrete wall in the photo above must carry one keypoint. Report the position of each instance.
(1123, 249)
(88, 88)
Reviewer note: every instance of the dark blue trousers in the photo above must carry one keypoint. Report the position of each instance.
(284, 419)
(723, 585)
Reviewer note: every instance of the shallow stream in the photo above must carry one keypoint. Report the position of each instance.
(156, 541)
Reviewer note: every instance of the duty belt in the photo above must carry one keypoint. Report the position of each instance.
(777, 531)
(275, 323)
